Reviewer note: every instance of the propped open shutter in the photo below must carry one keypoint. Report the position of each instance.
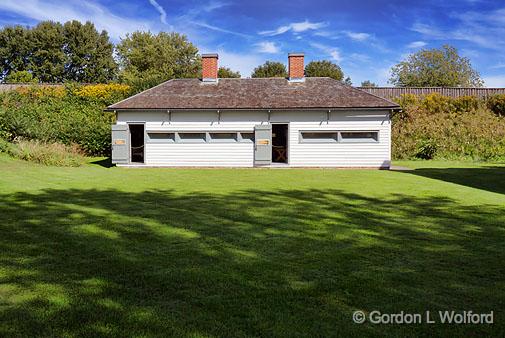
(120, 147)
(263, 144)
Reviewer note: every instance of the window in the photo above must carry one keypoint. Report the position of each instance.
(359, 136)
(247, 136)
(161, 137)
(338, 136)
(223, 137)
(319, 136)
(192, 137)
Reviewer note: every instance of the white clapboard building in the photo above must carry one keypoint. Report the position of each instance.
(211, 122)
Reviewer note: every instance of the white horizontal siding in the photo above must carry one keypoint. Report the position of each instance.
(242, 154)
(370, 154)
(201, 154)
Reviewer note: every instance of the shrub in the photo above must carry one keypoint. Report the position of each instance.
(426, 150)
(436, 103)
(5, 146)
(466, 104)
(55, 154)
(447, 128)
(107, 93)
(497, 104)
(70, 115)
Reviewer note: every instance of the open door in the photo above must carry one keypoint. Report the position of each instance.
(263, 144)
(137, 143)
(120, 144)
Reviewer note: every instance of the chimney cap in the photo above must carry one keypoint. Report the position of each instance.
(296, 54)
(210, 55)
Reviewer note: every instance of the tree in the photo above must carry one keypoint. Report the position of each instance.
(270, 69)
(15, 46)
(324, 68)
(89, 53)
(46, 58)
(435, 68)
(20, 76)
(52, 52)
(368, 83)
(147, 59)
(224, 72)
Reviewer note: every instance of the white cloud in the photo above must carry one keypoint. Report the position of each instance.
(494, 81)
(498, 66)
(333, 52)
(416, 44)
(296, 27)
(357, 36)
(74, 10)
(483, 28)
(218, 29)
(161, 10)
(267, 47)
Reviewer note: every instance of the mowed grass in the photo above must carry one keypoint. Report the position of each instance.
(98, 251)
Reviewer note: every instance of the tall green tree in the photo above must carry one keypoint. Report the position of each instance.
(270, 69)
(15, 48)
(225, 72)
(442, 67)
(148, 59)
(324, 68)
(89, 53)
(47, 58)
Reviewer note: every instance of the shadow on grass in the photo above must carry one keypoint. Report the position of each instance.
(105, 162)
(254, 263)
(484, 178)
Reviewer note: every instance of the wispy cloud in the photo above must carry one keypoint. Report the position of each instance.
(218, 29)
(416, 44)
(357, 36)
(485, 29)
(296, 27)
(267, 47)
(161, 10)
(36, 10)
(333, 52)
(498, 66)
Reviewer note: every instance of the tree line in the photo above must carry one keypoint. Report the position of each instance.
(77, 52)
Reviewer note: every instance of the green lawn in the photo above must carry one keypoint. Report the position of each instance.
(98, 251)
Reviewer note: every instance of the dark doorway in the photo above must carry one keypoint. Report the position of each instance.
(137, 143)
(280, 143)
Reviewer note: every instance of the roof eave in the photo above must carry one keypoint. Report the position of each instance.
(112, 109)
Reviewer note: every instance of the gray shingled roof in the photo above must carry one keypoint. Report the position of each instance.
(257, 93)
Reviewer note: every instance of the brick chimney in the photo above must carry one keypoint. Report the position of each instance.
(296, 67)
(209, 67)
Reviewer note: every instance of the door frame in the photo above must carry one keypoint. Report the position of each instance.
(288, 143)
(130, 141)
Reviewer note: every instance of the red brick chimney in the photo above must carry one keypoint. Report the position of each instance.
(209, 67)
(296, 67)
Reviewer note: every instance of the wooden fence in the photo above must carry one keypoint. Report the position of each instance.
(4, 87)
(392, 92)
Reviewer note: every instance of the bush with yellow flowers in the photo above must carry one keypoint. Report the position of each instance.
(68, 114)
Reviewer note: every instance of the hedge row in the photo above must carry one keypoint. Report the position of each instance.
(436, 126)
(70, 115)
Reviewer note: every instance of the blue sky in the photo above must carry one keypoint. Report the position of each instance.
(364, 37)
